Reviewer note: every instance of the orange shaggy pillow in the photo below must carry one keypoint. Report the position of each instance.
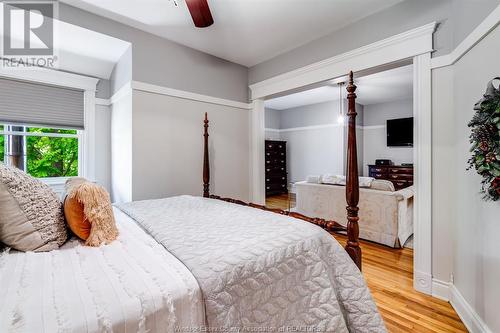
(88, 212)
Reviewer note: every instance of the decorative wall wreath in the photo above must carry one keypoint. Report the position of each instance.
(485, 140)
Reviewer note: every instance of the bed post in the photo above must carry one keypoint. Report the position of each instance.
(352, 184)
(206, 162)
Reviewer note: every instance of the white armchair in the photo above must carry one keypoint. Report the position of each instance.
(385, 217)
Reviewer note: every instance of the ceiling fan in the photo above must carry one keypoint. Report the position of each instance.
(200, 12)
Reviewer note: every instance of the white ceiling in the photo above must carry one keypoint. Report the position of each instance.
(246, 32)
(392, 85)
(78, 49)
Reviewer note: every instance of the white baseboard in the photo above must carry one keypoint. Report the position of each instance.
(469, 317)
(441, 289)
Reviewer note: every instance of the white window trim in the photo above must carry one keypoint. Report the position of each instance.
(86, 142)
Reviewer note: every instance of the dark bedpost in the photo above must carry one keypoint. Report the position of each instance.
(352, 184)
(206, 162)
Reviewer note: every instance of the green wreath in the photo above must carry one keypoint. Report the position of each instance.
(485, 140)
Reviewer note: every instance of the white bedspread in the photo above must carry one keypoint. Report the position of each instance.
(131, 285)
(261, 271)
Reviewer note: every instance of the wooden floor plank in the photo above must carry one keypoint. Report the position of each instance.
(389, 275)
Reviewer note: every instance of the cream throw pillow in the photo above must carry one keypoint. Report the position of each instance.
(382, 185)
(31, 215)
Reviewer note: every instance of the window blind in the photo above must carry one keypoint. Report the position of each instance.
(38, 104)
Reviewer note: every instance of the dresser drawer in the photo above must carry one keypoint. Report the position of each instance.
(378, 175)
(378, 169)
(401, 170)
(396, 176)
(273, 169)
(275, 178)
(275, 146)
(399, 184)
(275, 154)
(276, 187)
(276, 162)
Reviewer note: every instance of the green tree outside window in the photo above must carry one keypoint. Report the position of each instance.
(49, 156)
(2, 144)
(52, 156)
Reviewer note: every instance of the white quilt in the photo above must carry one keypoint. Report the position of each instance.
(261, 270)
(131, 285)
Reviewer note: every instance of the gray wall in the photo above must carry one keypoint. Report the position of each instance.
(312, 150)
(456, 18)
(272, 118)
(375, 133)
(122, 72)
(476, 227)
(103, 146)
(165, 63)
(168, 147)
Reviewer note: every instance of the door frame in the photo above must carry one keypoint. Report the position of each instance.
(414, 45)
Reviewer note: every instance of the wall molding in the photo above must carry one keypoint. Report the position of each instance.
(481, 31)
(441, 289)
(155, 89)
(469, 317)
(314, 127)
(447, 291)
(372, 127)
(103, 101)
(401, 46)
(125, 90)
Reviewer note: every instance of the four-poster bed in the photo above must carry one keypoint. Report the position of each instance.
(352, 184)
(196, 263)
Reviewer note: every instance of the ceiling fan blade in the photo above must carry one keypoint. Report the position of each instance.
(200, 12)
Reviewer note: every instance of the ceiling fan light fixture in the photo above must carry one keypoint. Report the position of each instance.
(200, 12)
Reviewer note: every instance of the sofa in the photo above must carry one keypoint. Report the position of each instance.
(385, 215)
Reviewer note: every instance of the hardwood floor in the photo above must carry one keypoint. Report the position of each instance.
(389, 275)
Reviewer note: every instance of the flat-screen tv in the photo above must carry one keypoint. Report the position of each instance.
(400, 132)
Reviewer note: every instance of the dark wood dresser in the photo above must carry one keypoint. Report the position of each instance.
(276, 177)
(400, 176)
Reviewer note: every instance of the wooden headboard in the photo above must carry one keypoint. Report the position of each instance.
(352, 183)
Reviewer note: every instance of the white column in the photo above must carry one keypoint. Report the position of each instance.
(257, 138)
(422, 108)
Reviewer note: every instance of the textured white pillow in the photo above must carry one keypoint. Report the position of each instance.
(31, 215)
(382, 185)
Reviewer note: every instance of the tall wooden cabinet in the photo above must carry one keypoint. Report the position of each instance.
(276, 176)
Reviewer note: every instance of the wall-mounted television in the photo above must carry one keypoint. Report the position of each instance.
(400, 132)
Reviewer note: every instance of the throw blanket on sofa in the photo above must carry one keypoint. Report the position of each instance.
(258, 269)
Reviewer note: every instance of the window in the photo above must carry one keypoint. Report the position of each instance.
(2, 145)
(40, 151)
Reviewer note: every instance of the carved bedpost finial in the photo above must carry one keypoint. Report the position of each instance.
(352, 183)
(206, 163)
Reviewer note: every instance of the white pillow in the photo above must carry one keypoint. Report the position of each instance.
(382, 185)
(313, 179)
(341, 180)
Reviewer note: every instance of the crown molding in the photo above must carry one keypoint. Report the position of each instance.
(404, 45)
(481, 31)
